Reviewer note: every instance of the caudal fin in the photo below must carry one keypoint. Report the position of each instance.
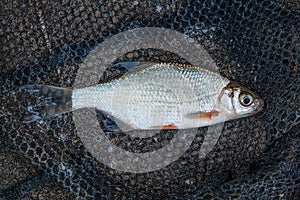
(50, 101)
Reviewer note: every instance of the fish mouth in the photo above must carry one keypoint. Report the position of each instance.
(258, 105)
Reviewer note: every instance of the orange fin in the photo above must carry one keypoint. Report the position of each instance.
(203, 115)
(165, 127)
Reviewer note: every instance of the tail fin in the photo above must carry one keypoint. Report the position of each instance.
(50, 101)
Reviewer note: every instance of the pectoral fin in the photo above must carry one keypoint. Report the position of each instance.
(203, 115)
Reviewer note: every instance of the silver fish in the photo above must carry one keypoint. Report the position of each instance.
(154, 96)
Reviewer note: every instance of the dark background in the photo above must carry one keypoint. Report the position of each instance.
(254, 43)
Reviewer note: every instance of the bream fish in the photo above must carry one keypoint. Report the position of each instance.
(153, 96)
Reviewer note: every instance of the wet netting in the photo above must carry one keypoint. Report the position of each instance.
(255, 43)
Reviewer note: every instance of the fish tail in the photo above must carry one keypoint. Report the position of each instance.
(50, 101)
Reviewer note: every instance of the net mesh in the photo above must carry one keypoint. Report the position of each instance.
(254, 43)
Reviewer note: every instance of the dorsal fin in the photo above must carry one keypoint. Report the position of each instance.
(130, 67)
(133, 67)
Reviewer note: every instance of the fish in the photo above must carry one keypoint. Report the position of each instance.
(152, 96)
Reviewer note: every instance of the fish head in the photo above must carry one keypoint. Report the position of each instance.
(236, 101)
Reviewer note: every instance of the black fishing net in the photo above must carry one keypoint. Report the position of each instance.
(255, 43)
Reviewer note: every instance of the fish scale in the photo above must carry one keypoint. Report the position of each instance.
(154, 96)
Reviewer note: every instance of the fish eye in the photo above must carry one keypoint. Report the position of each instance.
(246, 99)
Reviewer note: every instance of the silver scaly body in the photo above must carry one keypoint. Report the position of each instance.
(156, 96)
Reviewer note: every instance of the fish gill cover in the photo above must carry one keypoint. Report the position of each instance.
(254, 43)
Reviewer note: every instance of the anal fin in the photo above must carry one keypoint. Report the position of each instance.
(122, 126)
